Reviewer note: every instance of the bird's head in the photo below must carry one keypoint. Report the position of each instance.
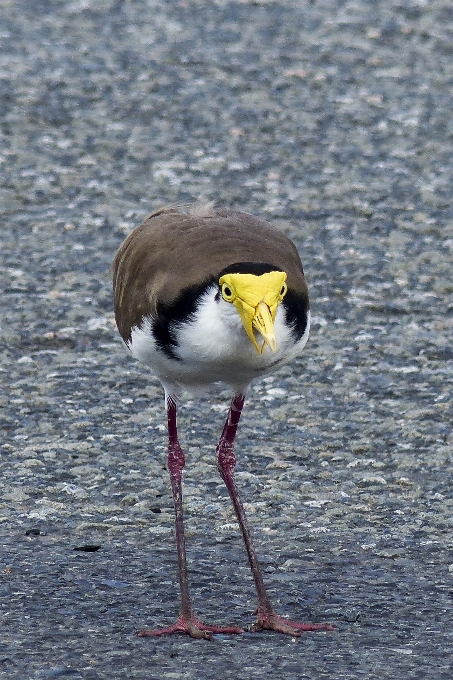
(256, 298)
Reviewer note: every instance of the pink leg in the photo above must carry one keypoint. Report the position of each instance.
(186, 622)
(226, 460)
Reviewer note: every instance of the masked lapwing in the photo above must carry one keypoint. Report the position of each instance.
(206, 295)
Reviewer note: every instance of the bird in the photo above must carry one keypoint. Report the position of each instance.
(204, 296)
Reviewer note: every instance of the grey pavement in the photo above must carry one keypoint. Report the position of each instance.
(334, 121)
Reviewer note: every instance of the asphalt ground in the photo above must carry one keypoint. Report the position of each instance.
(332, 120)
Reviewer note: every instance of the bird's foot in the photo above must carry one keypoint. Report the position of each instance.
(193, 627)
(272, 621)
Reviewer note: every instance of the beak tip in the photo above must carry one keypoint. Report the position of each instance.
(267, 342)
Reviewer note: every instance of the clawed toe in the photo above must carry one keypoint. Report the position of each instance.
(272, 621)
(193, 627)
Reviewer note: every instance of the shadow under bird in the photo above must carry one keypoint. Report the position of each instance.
(205, 295)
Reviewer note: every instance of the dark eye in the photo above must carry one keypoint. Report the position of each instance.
(227, 293)
(283, 290)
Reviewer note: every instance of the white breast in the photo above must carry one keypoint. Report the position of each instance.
(213, 346)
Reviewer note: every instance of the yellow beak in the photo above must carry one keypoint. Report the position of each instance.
(256, 298)
(263, 322)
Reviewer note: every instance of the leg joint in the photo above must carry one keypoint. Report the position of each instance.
(176, 460)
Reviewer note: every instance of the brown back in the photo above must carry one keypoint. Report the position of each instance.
(173, 250)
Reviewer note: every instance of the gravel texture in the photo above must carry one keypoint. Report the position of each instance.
(332, 120)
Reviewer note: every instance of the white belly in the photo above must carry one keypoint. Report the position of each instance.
(213, 347)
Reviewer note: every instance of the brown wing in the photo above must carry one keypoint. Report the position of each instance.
(173, 250)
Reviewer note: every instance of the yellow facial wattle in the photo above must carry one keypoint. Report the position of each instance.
(256, 298)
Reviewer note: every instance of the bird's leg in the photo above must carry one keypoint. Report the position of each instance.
(226, 461)
(186, 622)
